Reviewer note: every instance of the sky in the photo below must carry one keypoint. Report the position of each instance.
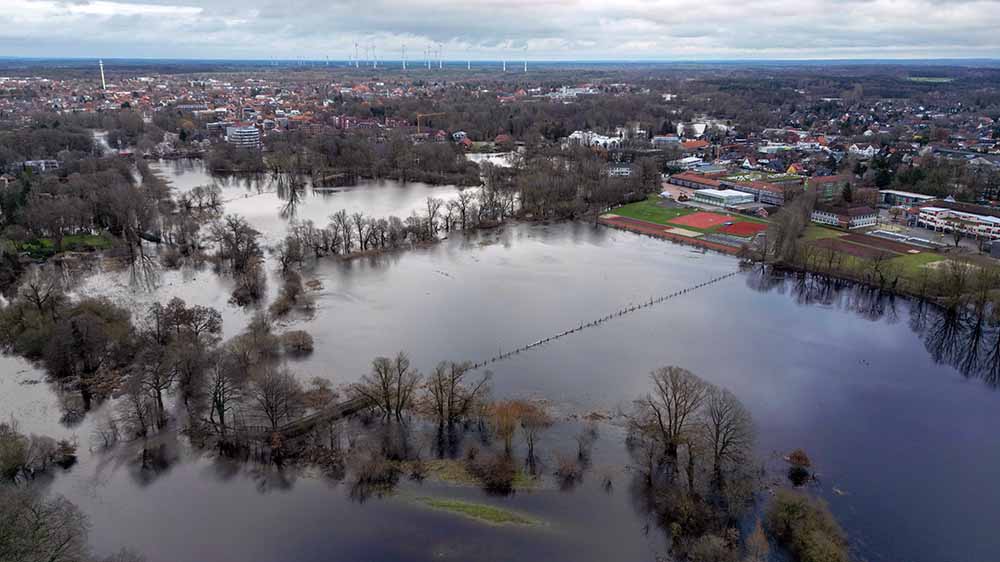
(502, 29)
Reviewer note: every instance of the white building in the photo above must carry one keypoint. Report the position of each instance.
(590, 138)
(848, 218)
(243, 137)
(971, 224)
(722, 197)
(863, 151)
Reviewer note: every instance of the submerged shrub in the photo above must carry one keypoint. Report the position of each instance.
(806, 527)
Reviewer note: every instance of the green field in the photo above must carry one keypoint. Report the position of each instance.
(45, 247)
(911, 264)
(479, 512)
(650, 210)
(454, 472)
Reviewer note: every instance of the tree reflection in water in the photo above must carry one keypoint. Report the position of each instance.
(965, 337)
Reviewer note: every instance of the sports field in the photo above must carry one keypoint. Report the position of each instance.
(655, 211)
(702, 219)
(744, 229)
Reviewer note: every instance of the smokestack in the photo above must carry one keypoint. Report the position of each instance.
(104, 85)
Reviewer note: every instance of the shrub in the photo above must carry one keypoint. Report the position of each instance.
(568, 470)
(798, 457)
(496, 473)
(806, 527)
(297, 342)
(798, 475)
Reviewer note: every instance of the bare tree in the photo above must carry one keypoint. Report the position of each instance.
(34, 528)
(276, 394)
(670, 410)
(43, 289)
(225, 385)
(534, 420)
(505, 417)
(390, 386)
(449, 397)
(729, 429)
(433, 208)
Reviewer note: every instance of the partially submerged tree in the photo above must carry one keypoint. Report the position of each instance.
(390, 387)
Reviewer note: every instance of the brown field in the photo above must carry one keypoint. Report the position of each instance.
(744, 229)
(882, 243)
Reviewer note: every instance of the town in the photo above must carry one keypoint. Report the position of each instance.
(427, 308)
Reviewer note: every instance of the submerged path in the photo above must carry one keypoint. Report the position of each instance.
(349, 407)
(594, 323)
(305, 424)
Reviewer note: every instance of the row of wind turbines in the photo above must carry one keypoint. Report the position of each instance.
(430, 55)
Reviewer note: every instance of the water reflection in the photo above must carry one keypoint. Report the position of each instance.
(964, 338)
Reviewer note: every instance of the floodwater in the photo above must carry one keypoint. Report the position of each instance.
(906, 447)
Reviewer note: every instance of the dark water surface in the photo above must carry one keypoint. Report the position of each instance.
(907, 449)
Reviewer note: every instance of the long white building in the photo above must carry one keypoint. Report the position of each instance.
(722, 197)
(970, 224)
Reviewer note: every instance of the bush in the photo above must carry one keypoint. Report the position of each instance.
(798, 457)
(806, 527)
(568, 471)
(374, 475)
(496, 473)
(297, 342)
(798, 475)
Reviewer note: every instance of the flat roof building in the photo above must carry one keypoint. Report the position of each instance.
(722, 197)
(893, 197)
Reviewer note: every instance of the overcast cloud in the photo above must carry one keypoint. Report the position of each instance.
(494, 29)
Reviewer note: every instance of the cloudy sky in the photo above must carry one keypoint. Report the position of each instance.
(494, 29)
